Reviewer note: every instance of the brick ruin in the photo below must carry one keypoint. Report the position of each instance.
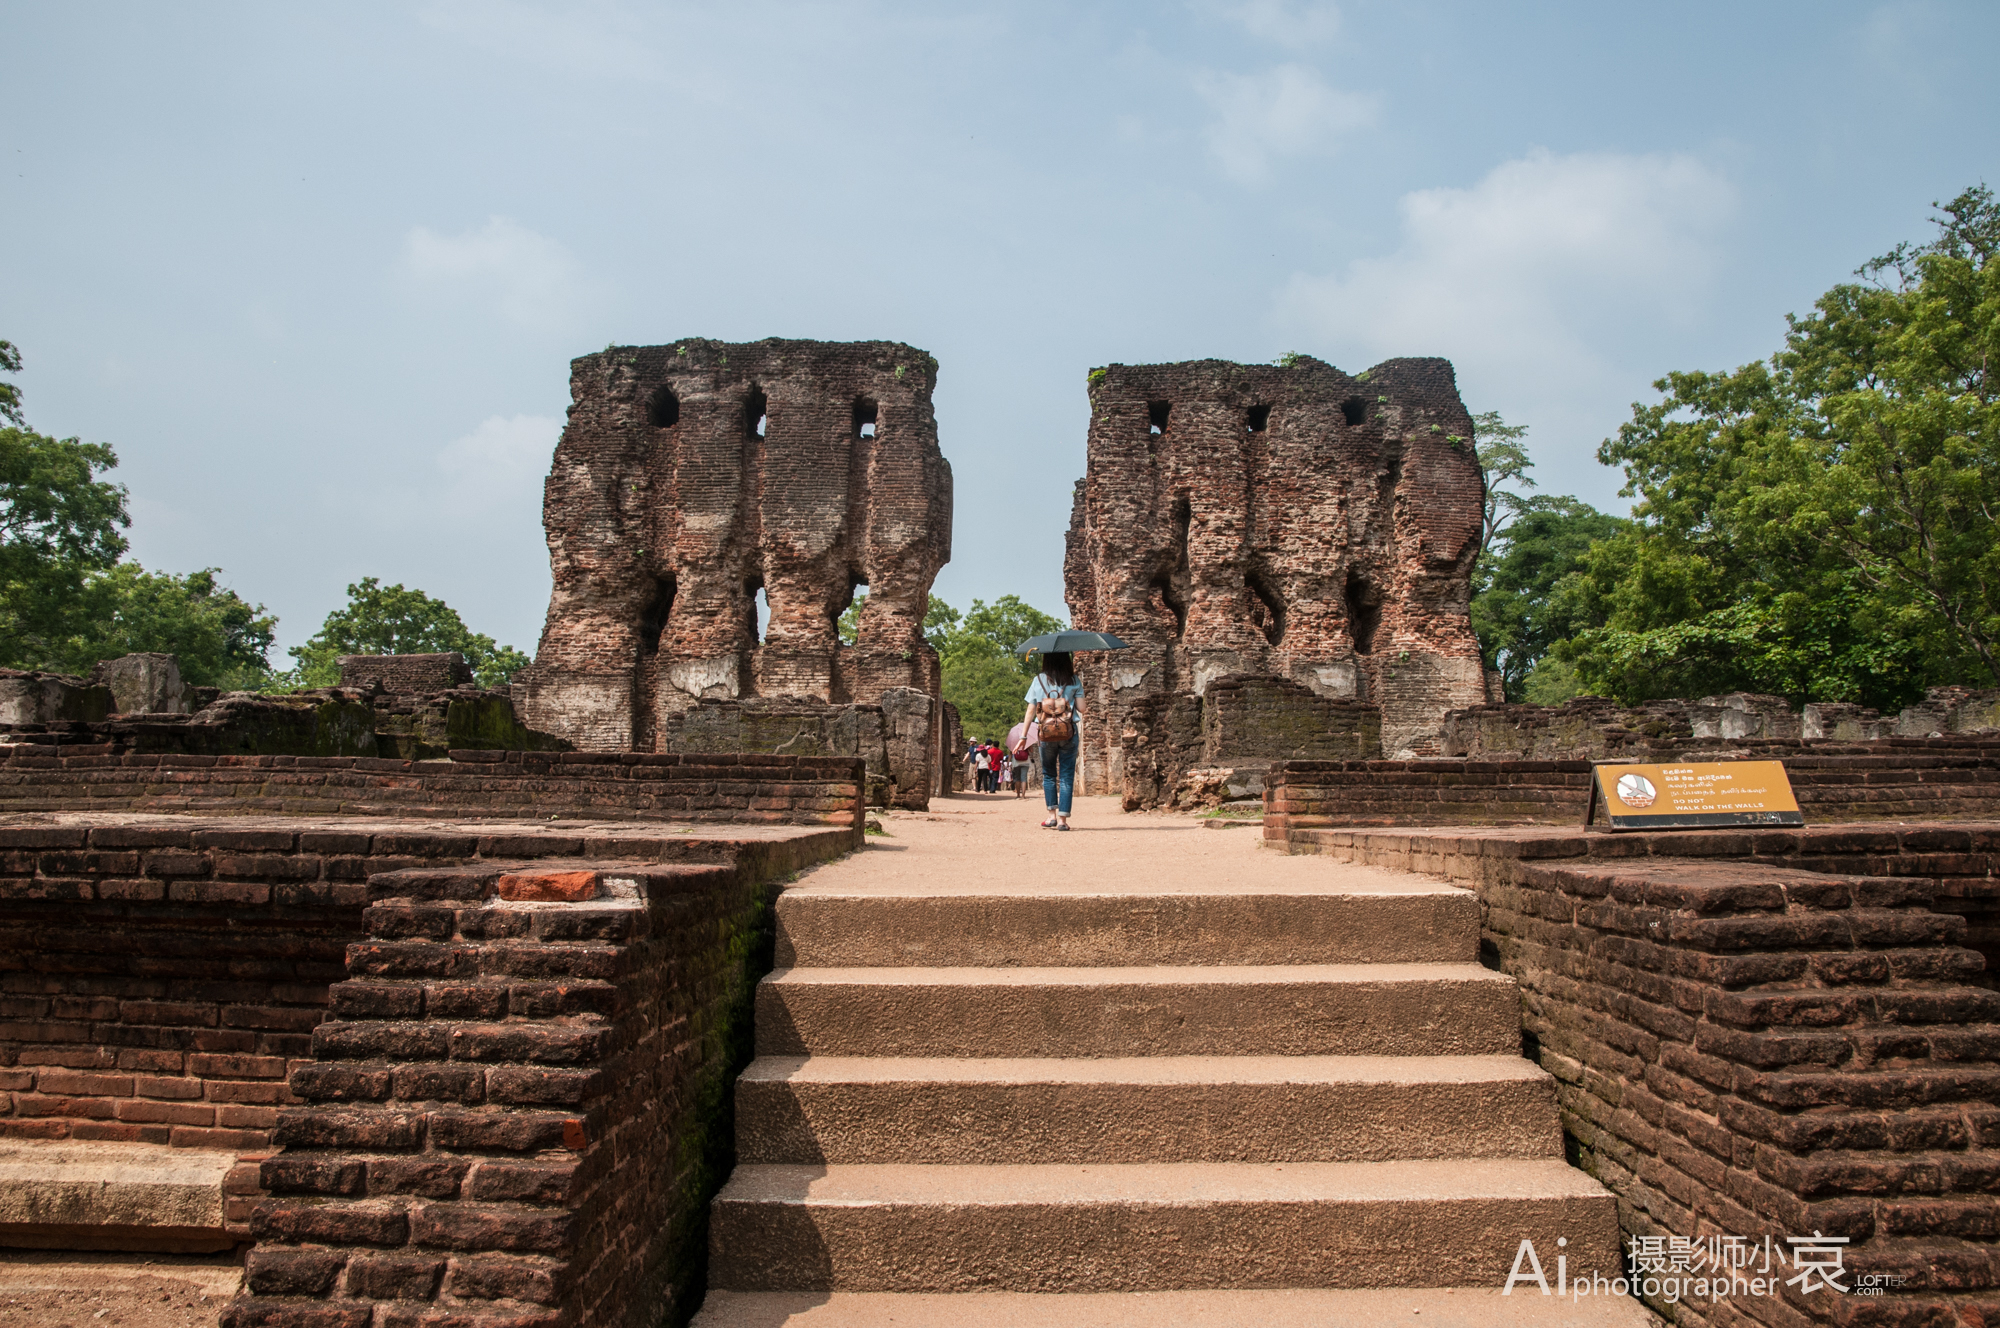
(1288, 522)
(697, 476)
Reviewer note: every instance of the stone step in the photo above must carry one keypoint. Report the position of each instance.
(1424, 922)
(1144, 1109)
(67, 1194)
(1429, 1307)
(1153, 1227)
(1265, 1010)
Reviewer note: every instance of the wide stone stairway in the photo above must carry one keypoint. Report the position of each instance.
(1281, 1091)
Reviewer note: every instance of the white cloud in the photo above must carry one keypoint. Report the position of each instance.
(500, 464)
(1287, 111)
(529, 278)
(1286, 22)
(1534, 271)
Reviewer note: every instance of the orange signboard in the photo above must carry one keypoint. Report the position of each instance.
(1647, 797)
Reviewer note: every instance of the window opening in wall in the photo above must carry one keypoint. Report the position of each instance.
(653, 618)
(1156, 415)
(664, 410)
(1354, 410)
(1259, 419)
(1267, 608)
(1168, 582)
(864, 417)
(846, 617)
(1364, 611)
(756, 412)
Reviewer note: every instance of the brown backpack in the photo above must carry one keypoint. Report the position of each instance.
(1058, 721)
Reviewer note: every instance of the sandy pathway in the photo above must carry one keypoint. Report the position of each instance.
(990, 842)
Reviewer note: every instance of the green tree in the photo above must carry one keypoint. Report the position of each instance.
(1529, 592)
(1824, 524)
(66, 601)
(10, 395)
(219, 638)
(1503, 473)
(390, 620)
(983, 676)
(59, 525)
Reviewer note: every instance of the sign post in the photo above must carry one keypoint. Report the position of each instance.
(1653, 797)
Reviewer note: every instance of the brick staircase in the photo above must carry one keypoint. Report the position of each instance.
(1148, 1105)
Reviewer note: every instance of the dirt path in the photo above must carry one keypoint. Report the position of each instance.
(989, 841)
(69, 1289)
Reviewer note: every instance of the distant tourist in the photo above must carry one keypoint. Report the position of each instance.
(1017, 774)
(1055, 702)
(980, 768)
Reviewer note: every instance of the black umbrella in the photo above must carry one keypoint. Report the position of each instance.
(1071, 641)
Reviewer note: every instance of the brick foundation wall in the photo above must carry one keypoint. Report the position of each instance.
(518, 1111)
(1746, 1048)
(738, 788)
(1913, 780)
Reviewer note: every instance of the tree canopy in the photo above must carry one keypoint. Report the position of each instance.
(1527, 592)
(67, 600)
(393, 620)
(1821, 525)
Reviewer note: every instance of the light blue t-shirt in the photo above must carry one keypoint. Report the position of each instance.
(1043, 688)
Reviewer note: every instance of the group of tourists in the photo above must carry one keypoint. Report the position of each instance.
(1049, 733)
(992, 766)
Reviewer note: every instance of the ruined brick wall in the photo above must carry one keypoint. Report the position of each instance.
(694, 475)
(1184, 751)
(1745, 1049)
(1843, 784)
(518, 1108)
(737, 788)
(1293, 522)
(794, 725)
(160, 982)
(406, 674)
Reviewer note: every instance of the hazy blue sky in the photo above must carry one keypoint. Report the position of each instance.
(317, 272)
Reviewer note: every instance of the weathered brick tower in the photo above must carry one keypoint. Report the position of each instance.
(693, 476)
(1289, 522)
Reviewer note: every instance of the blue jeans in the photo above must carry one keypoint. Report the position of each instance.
(1059, 773)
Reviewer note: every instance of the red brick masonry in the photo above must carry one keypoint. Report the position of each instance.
(1757, 1032)
(741, 788)
(512, 1106)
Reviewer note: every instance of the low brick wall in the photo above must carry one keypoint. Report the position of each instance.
(1747, 1048)
(1912, 781)
(738, 788)
(161, 976)
(519, 1110)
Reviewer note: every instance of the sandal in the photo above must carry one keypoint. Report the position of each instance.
(1063, 826)
(1050, 824)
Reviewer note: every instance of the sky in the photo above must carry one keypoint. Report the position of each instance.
(317, 272)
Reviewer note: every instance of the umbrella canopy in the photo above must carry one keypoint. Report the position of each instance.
(1071, 641)
(1020, 733)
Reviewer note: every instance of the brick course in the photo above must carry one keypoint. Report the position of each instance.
(472, 1126)
(738, 788)
(1744, 1047)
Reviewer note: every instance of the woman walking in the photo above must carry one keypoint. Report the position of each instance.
(1054, 700)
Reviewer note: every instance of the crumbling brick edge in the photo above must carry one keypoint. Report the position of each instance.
(1746, 1047)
